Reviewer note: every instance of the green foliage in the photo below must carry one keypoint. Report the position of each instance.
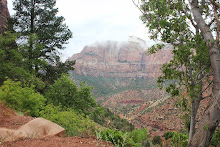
(116, 137)
(98, 115)
(42, 34)
(121, 139)
(168, 134)
(23, 99)
(215, 142)
(10, 59)
(65, 92)
(104, 86)
(106, 118)
(12, 64)
(40, 18)
(59, 68)
(180, 139)
(138, 135)
(73, 122)
(190, 71)
(117, 122)
(157, 140)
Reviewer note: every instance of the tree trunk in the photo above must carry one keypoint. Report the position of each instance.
(31, 44)
(207, 126)
(211, 117)
(192, 121)
(195, 106)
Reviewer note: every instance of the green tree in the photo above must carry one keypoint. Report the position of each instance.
(66, 93)
(192, 27)
(42, 32)
(12, 64)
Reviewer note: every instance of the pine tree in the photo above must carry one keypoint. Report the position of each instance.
(42, 33)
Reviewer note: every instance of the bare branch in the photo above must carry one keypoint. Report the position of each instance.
(207, 97)
(205, 76)
(215, 4)
(138, 7)
(207, 87)
(213, 20)
(197, 76)
(191, 76)
(190, 18)
(218, 25)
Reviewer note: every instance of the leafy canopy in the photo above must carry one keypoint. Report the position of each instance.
(66, 93)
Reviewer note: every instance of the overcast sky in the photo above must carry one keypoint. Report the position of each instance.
(98, 20)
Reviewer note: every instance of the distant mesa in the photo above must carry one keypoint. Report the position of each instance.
(120, 59)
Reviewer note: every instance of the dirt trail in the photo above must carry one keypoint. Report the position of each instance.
(9, 119)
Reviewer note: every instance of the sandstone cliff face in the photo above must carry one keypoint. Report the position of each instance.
(125, 59)
(4, 13)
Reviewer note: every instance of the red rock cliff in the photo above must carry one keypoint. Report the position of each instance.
(114, 59)
(4, 13)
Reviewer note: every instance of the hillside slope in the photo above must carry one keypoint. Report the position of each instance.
(11, 120)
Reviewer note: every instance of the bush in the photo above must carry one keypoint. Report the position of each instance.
(73, 122)
(157, 140)
(98, 115)
(215, 142)
(168, 134)
(119, 138)
(180, 139)
(65, 93)
(139, 135)
(23, 99)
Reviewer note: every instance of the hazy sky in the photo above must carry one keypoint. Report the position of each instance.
(98, 20)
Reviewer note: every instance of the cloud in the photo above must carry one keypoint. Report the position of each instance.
(99, 20)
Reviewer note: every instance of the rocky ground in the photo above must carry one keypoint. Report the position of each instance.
(10, 119)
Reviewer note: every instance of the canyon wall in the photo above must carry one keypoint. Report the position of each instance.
(120, 59)
(4, 13)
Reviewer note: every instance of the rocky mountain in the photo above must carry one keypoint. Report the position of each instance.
(4, 13)
(124, 78)
(120, 59)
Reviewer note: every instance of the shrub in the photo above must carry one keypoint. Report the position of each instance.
(98, 115)
(73, 122)
(119, 138)
(157, 140)
(23, 99)
(180, 139)
(139, 135)
(168, 134)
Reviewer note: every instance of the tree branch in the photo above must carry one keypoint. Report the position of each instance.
(206, 75)
(206, 31)
(138, 7)
(215, 4)
(207, 87)
(190, 18)
(197, 76)
(207, 97)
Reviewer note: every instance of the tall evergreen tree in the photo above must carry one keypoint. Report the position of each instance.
(42, 32)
